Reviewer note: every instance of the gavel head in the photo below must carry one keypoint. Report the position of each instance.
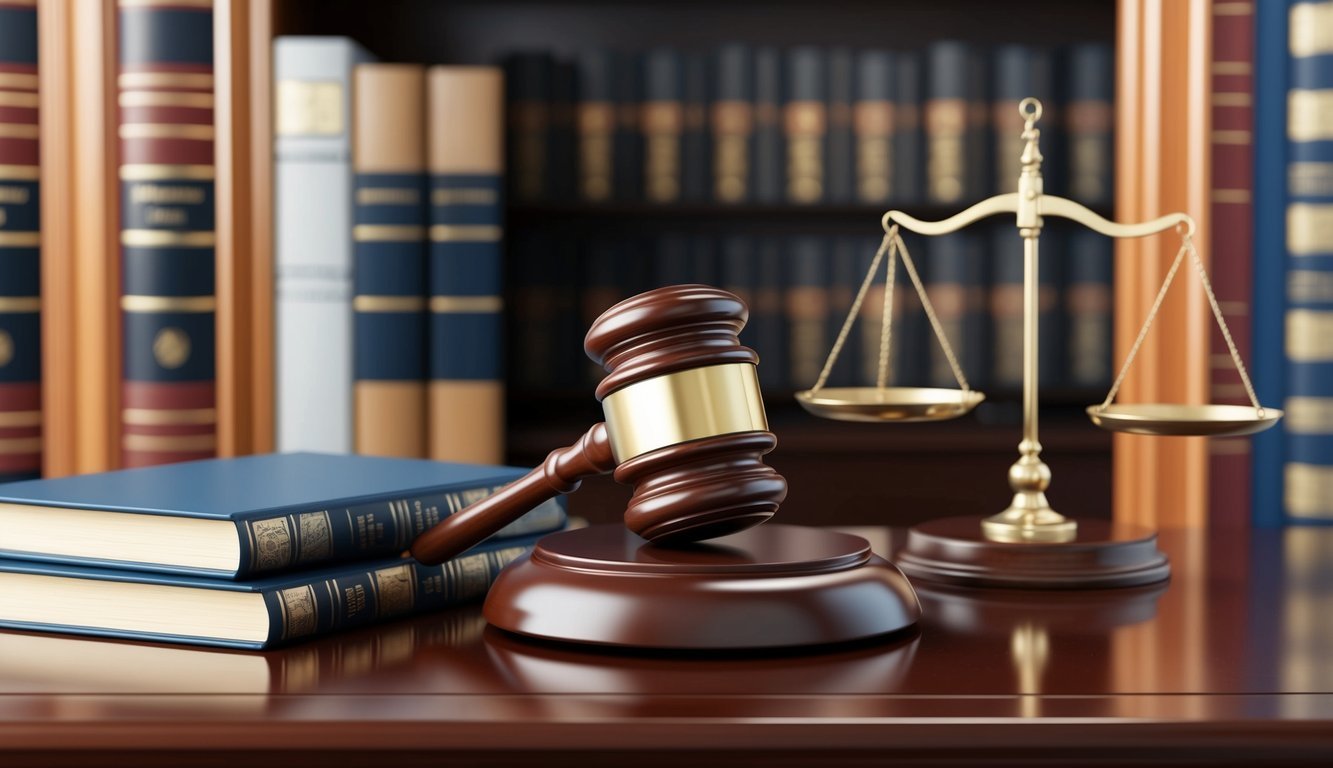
(684, 414)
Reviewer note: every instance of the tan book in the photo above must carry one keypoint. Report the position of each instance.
(466, 325)
(389, 260)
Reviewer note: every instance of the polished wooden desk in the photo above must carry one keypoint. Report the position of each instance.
(1232, 661)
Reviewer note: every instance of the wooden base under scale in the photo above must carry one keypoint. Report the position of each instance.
(772, 586)
(955, 550)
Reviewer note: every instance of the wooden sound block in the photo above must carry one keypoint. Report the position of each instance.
(772, 586)
(953, 550)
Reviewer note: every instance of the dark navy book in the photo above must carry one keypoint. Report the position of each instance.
(277, 610)
(236, 518)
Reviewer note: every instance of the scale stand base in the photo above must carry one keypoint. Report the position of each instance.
(772, 586)
(1101, 555)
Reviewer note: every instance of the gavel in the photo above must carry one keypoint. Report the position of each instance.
(684, 425)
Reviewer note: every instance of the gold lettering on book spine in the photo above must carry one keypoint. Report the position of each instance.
(396, 589)
(946, 129)
(596, 124)
(806, 124)
(300, 614)
(272, 544)
(733, 124)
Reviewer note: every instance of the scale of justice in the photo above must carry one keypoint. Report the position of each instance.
(1029, 544)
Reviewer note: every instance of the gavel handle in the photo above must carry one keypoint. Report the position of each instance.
(561, 473)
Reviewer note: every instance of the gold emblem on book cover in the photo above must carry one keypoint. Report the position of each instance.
(316, 536)
(272, 543)
(300, 615)
(6, 348)
(171, 348)
(395, 587)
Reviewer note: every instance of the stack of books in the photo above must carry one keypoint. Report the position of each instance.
(246, 553)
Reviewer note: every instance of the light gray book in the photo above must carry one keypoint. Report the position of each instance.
(313, 241)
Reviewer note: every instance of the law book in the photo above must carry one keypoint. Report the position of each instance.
(769, 154)
(312, 243)
(595, 121)
(562, 166)
(465, 119)
(956, 284)
(389, 260)
(909, 174)
(662, 119)
(954, 123)
(627, 178)
(243, 517)
(168, 304)
(1308, 473)
(696, 150)
(1230, 245)
(1088, 299)
(769, 317)
(738, 274)
(1019, 72)
(805, 125)
(1088, 120)
(1268, 364)
(20, 247)
(732, 120)
(529, 89)
(1007, 305)
(873, 127)
(806, 300)
(256, 614)
(841, 151)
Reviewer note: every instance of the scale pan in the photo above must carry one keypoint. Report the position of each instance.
(889, 403)
(1174, 419)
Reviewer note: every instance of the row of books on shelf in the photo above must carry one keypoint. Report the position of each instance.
(246, 552)
(800, 289)
(804, 125)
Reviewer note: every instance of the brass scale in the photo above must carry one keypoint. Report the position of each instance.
(1029, 517)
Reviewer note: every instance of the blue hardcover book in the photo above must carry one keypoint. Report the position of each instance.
(627, 176)
(663, 117)
(1308, 472)
(695, 145)
(1089, 119)
(805, 125)
(841, 171)
(1270, 210)
(1020, 71)
(529, 89)
(769, 173)
(256, 614)
(595, 121)
(236, 518)
(909, 168)
(955, 125)
(20, 248)
(873, 129)
(732, 114)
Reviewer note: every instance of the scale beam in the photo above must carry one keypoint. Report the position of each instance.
(1006, 203)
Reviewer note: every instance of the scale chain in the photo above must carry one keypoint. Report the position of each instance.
(1186, 244)
(930, 312)
(886, 320)
(885, 245)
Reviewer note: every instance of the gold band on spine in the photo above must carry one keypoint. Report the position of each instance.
(683, 406)
(466, 304)
(19, 131)
(480, 233)
(164, 171)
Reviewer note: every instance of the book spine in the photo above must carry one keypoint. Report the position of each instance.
(333, 605)
(873, 127)
(1088, 121)
(466, 391)
(20, 247)
(695, 140)
(768, 315)
(1020, 71)
(732, 118)
(312, 242)
(805, 126)
(367, 530)
(806, 302)
(1269, 272)
(389, 260)
(844, 279)
(956, 286)
(528, 80)
(663, 122)
(769, 175)
(167, 237)
(737, 273)
(1230, 240)
(595, 119)
(1088, 302)
(627, 177)
(909, 177)
(841, 153)
(562, 181)
(953, 124)
(1308, 473)
(603, 284)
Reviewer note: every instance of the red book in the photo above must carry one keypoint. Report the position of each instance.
(1230, 242)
